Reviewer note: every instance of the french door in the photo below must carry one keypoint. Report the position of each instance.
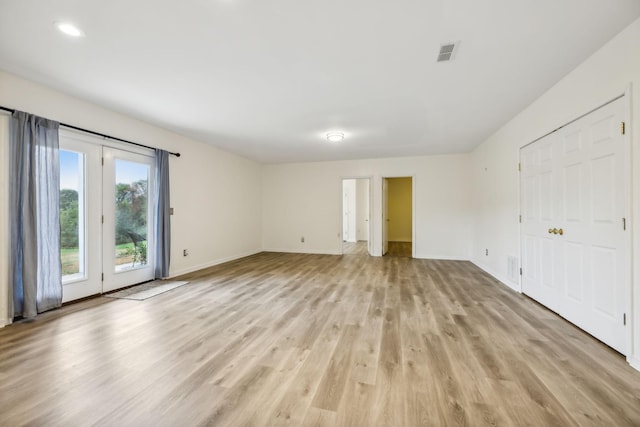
(126, 230)
(80, 213)
(105, 216)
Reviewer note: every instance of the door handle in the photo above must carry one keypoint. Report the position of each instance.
(559, 231)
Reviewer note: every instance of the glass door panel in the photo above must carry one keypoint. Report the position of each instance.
(72, 217)
(79, 218)
(131, 210)
(128, 245)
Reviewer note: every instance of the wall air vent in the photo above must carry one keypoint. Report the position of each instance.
(513, 269)
(446, 52)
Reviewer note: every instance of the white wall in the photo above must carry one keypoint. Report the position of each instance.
(216, 195)
(442, 204)
(362, 209)
(606, 74)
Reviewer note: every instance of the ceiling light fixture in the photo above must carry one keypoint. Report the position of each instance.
(335, 136)
(69, 29)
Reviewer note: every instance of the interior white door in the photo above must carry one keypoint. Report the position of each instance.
(80, 231)
(128, 221)
(574, 242)
(345, 213)
(538, 205)
(368, 220)
(591, 215)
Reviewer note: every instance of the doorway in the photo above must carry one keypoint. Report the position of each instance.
(397, 216)
(356, 221)
(105, 217)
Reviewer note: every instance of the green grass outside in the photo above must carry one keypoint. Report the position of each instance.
(70, 262)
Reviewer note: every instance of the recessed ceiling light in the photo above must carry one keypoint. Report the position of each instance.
(335, 136)
(69, 29)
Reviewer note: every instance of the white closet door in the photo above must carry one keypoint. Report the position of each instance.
(591, 216)
(538, 216)
(574, 181)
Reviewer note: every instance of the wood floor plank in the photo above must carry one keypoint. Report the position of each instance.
(298, 339)
(317, 417)
(356, 404)
(367, 348)
(390, 391)
(331, 388)
(292, 408)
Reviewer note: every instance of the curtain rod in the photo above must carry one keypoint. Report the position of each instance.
(11, 110)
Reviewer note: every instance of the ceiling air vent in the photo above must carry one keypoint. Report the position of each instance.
(446, 52)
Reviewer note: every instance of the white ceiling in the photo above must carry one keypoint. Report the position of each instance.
(268, 78)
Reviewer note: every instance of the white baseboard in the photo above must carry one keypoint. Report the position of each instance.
(304, 251)
(499, 277)
(634, 362)
(441, 257)
(212, 263)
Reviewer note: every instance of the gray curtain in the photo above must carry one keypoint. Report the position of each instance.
(162, 219)
(35, 268)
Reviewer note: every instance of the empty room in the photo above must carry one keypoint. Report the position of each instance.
(241, 213)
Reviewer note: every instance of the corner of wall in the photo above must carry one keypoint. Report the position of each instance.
(634, 362)
(497, 276)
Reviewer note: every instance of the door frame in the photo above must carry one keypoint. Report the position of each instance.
(627, 209)
(384, 213)
(370, 201)
(413, 208)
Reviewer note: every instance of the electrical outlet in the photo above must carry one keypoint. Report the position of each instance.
(302, 239)
(185, 252)
(486, 252)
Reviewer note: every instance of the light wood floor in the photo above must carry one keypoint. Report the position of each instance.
(355, 248)
(401, 249)
(291, 339)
